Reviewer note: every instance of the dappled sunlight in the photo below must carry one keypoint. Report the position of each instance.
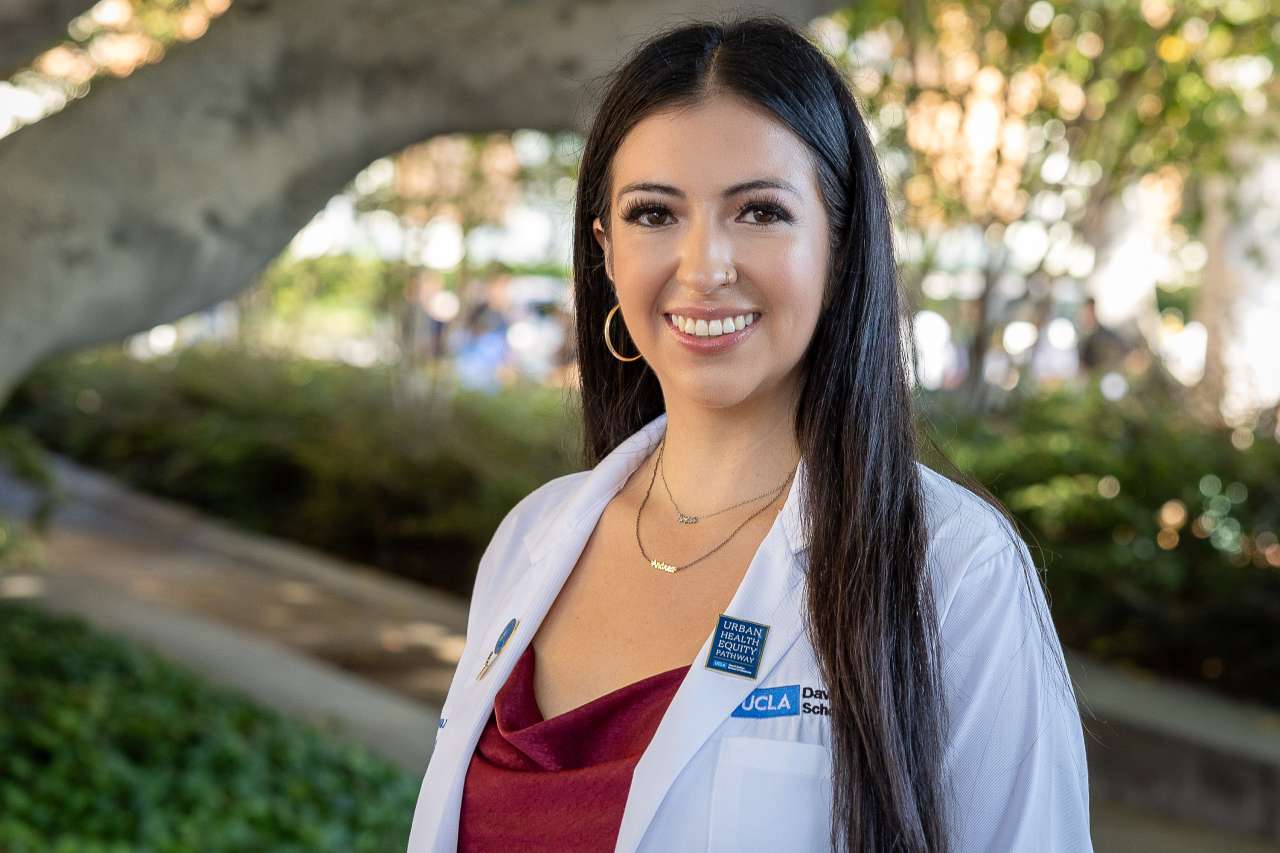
(113, 38)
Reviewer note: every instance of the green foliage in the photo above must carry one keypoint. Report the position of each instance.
(316, 453)
(334, 296)
(293, 285)
(307, 450)
(108, 748)
(1203, 608)
(1182, 300)
(1152, 73)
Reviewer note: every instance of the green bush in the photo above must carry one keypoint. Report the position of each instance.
(104, 747)
(1200, 600)
(306, 450)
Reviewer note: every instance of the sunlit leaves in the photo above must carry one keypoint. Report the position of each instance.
(1138, 86)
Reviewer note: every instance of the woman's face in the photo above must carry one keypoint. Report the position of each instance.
(716, 211)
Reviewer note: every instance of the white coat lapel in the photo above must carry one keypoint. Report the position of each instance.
(771, 594)
(552, 548)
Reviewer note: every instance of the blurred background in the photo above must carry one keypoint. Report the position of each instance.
(284, 304)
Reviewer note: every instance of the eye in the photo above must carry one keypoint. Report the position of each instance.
(635, 211)
(769, 208)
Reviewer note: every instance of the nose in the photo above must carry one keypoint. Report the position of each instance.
(706, 257)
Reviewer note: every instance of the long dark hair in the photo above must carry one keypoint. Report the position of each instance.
(869, 611)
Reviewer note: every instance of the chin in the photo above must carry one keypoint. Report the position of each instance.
(712, 394)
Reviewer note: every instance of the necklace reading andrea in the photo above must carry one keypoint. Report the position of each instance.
(687, 519)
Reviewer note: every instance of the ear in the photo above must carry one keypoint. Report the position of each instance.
(603, 239)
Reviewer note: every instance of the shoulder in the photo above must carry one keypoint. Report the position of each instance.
(533, 511)
(970, 542)
(993, 614)
(1014, 755)
(540, 504)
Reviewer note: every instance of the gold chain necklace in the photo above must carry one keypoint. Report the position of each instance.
(669, 567)
(694, 519)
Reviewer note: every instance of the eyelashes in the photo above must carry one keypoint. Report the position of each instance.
(765, 205)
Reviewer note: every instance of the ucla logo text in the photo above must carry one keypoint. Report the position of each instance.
(770, 702)
(785, 701)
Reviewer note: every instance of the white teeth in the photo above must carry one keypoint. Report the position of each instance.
(713, 328)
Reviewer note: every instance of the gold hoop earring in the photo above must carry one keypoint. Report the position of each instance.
(608, 342)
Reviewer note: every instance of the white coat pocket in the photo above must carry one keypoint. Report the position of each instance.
(770, 795)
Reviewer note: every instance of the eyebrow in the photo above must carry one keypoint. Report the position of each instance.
(744, 186)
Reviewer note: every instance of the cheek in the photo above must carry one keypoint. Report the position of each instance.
(641, 271)
(794, 277)
(639, 260)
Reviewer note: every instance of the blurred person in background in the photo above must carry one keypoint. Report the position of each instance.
(481, 348)
(1101, 348)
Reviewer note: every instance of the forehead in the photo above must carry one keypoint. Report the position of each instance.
(702, 149)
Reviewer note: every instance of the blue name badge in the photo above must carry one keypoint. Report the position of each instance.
(770, 702)
(737, 647)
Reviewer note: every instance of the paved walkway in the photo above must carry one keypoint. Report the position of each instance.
(348, 647)
(397, 634)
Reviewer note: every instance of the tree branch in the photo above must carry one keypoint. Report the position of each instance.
(169, 191)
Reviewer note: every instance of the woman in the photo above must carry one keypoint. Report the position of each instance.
(756, 622)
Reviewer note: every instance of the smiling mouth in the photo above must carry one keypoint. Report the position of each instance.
(712, 328)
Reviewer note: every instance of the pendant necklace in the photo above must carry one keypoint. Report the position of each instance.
(694, 519)
(670, 568)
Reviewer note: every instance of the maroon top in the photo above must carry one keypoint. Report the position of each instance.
(560, 784)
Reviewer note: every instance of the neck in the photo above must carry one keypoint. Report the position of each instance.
(713, 458)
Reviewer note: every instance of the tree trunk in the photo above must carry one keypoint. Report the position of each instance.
(975, 384)
(1217, 297)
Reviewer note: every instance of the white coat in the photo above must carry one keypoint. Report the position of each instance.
(736, 766)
